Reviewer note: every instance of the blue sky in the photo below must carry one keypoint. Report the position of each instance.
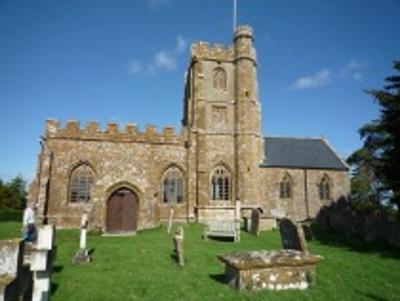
(124, 61)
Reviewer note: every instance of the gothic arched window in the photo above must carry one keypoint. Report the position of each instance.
(80, 183)
(285, 187)
(325, 188)
(220, 184)
(219, 79)
(173, 185)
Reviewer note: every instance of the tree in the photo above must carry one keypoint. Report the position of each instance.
(381, 139)
(364, 183)
(13, 194)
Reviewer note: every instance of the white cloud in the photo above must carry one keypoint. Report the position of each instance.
(135, 67)
(319, 79)
(155, 4)
(163, 60)
(353, 70)
(181, 44)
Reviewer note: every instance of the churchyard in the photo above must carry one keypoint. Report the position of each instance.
(141, 267)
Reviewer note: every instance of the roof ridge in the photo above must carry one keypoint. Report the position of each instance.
(297, 138)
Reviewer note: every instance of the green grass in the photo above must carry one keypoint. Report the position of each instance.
(140, 268)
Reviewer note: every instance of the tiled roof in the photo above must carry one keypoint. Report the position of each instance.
(313, 153)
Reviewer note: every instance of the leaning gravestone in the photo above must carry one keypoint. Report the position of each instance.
(255, 221)
(292, 236)
(178, 247)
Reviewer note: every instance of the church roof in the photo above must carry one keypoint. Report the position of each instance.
(312, 153)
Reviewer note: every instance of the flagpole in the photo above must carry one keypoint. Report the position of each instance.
(234, 15)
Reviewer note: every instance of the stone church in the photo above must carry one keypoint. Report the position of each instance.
(129, 180)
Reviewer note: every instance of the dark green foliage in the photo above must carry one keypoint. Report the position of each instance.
(13, 194)
(377, 164)
(10, 215)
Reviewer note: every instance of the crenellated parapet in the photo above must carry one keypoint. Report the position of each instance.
(203, 50)
(130, 133)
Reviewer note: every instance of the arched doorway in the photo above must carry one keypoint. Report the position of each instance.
(122, 211)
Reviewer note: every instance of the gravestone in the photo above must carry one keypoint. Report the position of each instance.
(292, 235)
(82, 255)
(178, 247)
(255, 221)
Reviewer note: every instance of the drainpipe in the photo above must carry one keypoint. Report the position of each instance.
(306, 200)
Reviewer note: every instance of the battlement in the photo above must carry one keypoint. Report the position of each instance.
(243, 31)
(92, 131)
(203, 50)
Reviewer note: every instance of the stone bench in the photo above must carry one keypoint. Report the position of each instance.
(271, 270)
(223, 229)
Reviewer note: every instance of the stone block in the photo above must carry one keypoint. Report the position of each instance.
(39, 260)
(14, 277)
(45, 240)
(270, 270)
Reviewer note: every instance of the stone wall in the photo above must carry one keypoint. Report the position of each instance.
(133, 160)
(305, 196)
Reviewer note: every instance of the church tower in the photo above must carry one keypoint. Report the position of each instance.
(222, 126)
(248, 140)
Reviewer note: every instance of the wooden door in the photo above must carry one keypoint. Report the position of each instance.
(122, 211)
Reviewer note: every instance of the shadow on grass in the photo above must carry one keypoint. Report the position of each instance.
(58, 268)
(54, 286)
(91, 251)
(356, 244)
(221, 278)
(371, 296)
(220, 239)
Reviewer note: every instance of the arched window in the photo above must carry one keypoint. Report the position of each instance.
(173, 185)
(285, 187)
(325, 188)
(80, 183)
(220, 184)
(219, 78)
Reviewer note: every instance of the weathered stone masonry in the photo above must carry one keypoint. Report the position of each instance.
(220, 154)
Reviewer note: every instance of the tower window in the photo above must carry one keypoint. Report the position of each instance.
(81, 183)
(219, 78)
(220, 184)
